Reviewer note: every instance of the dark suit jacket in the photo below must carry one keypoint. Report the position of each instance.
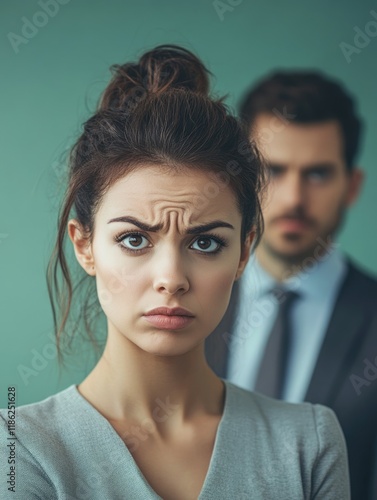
(345, 375)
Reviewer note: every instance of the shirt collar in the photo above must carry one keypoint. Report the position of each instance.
(255, 280)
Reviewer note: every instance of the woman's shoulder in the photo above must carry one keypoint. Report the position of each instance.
(38, 432)
(52, 404)
(302, 441)
(50, 416)
(275, 417)
(270, 407)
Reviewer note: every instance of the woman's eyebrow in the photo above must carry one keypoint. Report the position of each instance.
(192, 230)
(207, 227)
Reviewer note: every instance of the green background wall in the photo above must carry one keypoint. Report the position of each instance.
(50, 84)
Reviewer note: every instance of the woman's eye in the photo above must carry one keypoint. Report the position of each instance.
(133, 241)
(207, 244)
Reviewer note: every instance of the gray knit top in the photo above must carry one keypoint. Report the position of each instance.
(264, 450)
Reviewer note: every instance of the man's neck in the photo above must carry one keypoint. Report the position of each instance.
(280, 269)
(275, 268)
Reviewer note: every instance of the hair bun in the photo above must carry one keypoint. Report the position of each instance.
(161, 69)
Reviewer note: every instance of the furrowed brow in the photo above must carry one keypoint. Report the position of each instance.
(157, 227)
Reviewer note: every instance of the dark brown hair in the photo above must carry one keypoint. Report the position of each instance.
(305, 97)
(156, 111)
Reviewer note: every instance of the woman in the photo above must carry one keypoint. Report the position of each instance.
(165, 191)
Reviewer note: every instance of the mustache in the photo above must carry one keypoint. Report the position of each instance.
(297, 215)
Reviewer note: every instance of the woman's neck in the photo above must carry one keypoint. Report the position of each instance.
(130, 384)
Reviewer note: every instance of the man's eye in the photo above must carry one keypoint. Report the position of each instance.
(318, 175)
(274, 171)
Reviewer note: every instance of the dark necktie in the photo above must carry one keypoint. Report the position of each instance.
(272, 370)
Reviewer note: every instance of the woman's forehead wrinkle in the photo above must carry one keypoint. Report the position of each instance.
(175, 216)
(181, 205)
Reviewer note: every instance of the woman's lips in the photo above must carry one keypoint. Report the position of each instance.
(165, 322)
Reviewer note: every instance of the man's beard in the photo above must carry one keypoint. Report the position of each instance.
(322, 240)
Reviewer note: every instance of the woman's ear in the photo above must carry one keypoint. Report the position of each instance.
(82, 246)
(245, 254)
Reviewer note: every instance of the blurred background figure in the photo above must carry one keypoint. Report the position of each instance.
(302, 321)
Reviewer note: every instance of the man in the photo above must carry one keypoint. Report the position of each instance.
(302, 321)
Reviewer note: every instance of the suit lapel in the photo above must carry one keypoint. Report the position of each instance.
(341, 339)
(218, 343)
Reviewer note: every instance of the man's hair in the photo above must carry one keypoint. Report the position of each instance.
(305, 97)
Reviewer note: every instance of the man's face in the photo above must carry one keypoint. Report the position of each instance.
(310, 186)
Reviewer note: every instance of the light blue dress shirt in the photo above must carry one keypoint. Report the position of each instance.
(318, 285)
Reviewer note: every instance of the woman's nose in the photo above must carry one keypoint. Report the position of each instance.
(170, 273)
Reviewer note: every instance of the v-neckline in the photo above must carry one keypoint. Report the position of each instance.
(211, 471)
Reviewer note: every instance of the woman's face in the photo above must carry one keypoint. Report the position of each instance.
(138, 269)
